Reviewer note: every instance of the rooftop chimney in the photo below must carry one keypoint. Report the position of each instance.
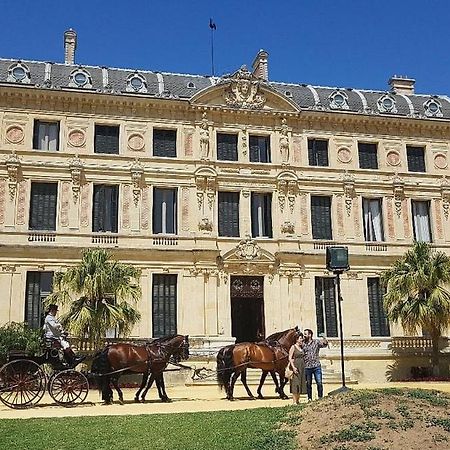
(70, 45)
(260, 65)
(402, 85)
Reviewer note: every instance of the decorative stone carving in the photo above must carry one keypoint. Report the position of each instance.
(244, 91)
(349, 191)
(284, 142)
(205, 224)
(399, 194)
(248, 249)
(287, 227)
(65, 197)
(188, 137)
(85, 205)
(344, 155)
(445, 193)
(393, 158)
(76, 171)
(137, 173)
(244, 143)
(340, 215)
(185, 208)
(145, 207)
(126, 206)
(204, 138)
(21, 202)
(15, 134)
(438, 216)
(287, 186)
(136, 142)
(290, 273)
(77, 138)
(440, 161)
(245, 193)
(13, 166)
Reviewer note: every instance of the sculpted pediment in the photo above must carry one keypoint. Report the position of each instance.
(243, 90)
(249, 254)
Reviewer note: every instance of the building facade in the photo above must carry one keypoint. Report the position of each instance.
(226, 192)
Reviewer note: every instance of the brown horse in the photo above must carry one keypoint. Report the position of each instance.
(269, 356)
(116, 360)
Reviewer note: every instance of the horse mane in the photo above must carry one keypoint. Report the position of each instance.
(276, 336)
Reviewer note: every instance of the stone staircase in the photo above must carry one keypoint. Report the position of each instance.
(330, 376)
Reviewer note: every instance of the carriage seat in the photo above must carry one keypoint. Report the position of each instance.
(51, 343)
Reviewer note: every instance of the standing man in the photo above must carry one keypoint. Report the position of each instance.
(311, 349)
(54, 330)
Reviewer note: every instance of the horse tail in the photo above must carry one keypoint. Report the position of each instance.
(225, 366)
(100, 367)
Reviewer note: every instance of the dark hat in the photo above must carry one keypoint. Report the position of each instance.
(52, 307)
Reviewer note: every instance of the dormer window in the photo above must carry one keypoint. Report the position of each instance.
(338, 100)
(136, 83)
(80, 79)
(19, 73)
(386, 104)
(288, 93)
(432, 108)
(191, 85)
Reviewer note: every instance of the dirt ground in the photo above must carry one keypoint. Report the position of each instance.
(376, 420)
(184, 399)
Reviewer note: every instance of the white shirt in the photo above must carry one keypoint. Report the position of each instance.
(52, 328)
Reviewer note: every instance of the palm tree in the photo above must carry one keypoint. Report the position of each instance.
(417, 294)
(98, 294)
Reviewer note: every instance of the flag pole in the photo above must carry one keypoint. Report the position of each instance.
(212, 26)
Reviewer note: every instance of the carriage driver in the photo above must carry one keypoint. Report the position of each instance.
(54, 330)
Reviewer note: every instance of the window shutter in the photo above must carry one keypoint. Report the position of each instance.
(97, 208)
(36, 135)
(106, 139)
(321, 217)
(326, 316)
(228, 212)
(227, 147)
(379, 324)
(38, 287)
(254, 214)
(43, 206)
(105, 208)
(268, 215)
(259, 149)
(165, 143)
(367, 156)
(318, 152)
(169, 196)
(416, 159)
(113, 197)
(164, 305)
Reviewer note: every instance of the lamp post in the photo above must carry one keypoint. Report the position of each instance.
(337, 262)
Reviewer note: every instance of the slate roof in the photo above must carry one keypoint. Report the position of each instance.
(184, 86)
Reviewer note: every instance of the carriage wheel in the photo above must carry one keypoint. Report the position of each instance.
(68, 387)
(22, 383)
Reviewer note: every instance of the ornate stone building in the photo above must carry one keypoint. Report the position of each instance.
(226, 192)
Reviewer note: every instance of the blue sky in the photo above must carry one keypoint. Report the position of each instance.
(345, 43)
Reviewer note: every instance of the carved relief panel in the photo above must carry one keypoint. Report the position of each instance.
(205, 181)
(77, 135)
(16, 131)
(136, 136)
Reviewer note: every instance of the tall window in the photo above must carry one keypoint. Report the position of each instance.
(416, 158)
(367, 156)
(421, 220)
(165, 143)
(321, 217)
(105, 209)
(43, 206)
(259, 149)
(261, 215)
(373, 219)
(318, 152)
(228, 213)
(106, 139)
(326, 306)
(46, 135)
(379, 325)
(164, 305)
(227, 147)
(165, 211)
(38, 287)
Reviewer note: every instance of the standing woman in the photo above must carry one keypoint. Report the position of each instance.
(297, 365)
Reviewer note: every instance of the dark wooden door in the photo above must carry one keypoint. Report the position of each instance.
(247, 308)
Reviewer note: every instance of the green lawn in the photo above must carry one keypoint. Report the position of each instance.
(234, 430)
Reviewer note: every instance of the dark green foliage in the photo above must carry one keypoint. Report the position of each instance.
(356, 433)
(444, 423)
(18, 336)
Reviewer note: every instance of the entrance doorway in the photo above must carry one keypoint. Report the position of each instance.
(247, 308)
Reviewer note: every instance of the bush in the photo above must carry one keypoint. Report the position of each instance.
(19, 336)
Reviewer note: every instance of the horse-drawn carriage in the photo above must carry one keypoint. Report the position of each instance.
(25, 379)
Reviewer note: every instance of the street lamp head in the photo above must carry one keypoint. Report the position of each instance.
(337, 259)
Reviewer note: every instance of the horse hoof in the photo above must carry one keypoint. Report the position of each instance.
(260, 396)
(121, 401)
(166, 400)
(136, 400)
(142, 400)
